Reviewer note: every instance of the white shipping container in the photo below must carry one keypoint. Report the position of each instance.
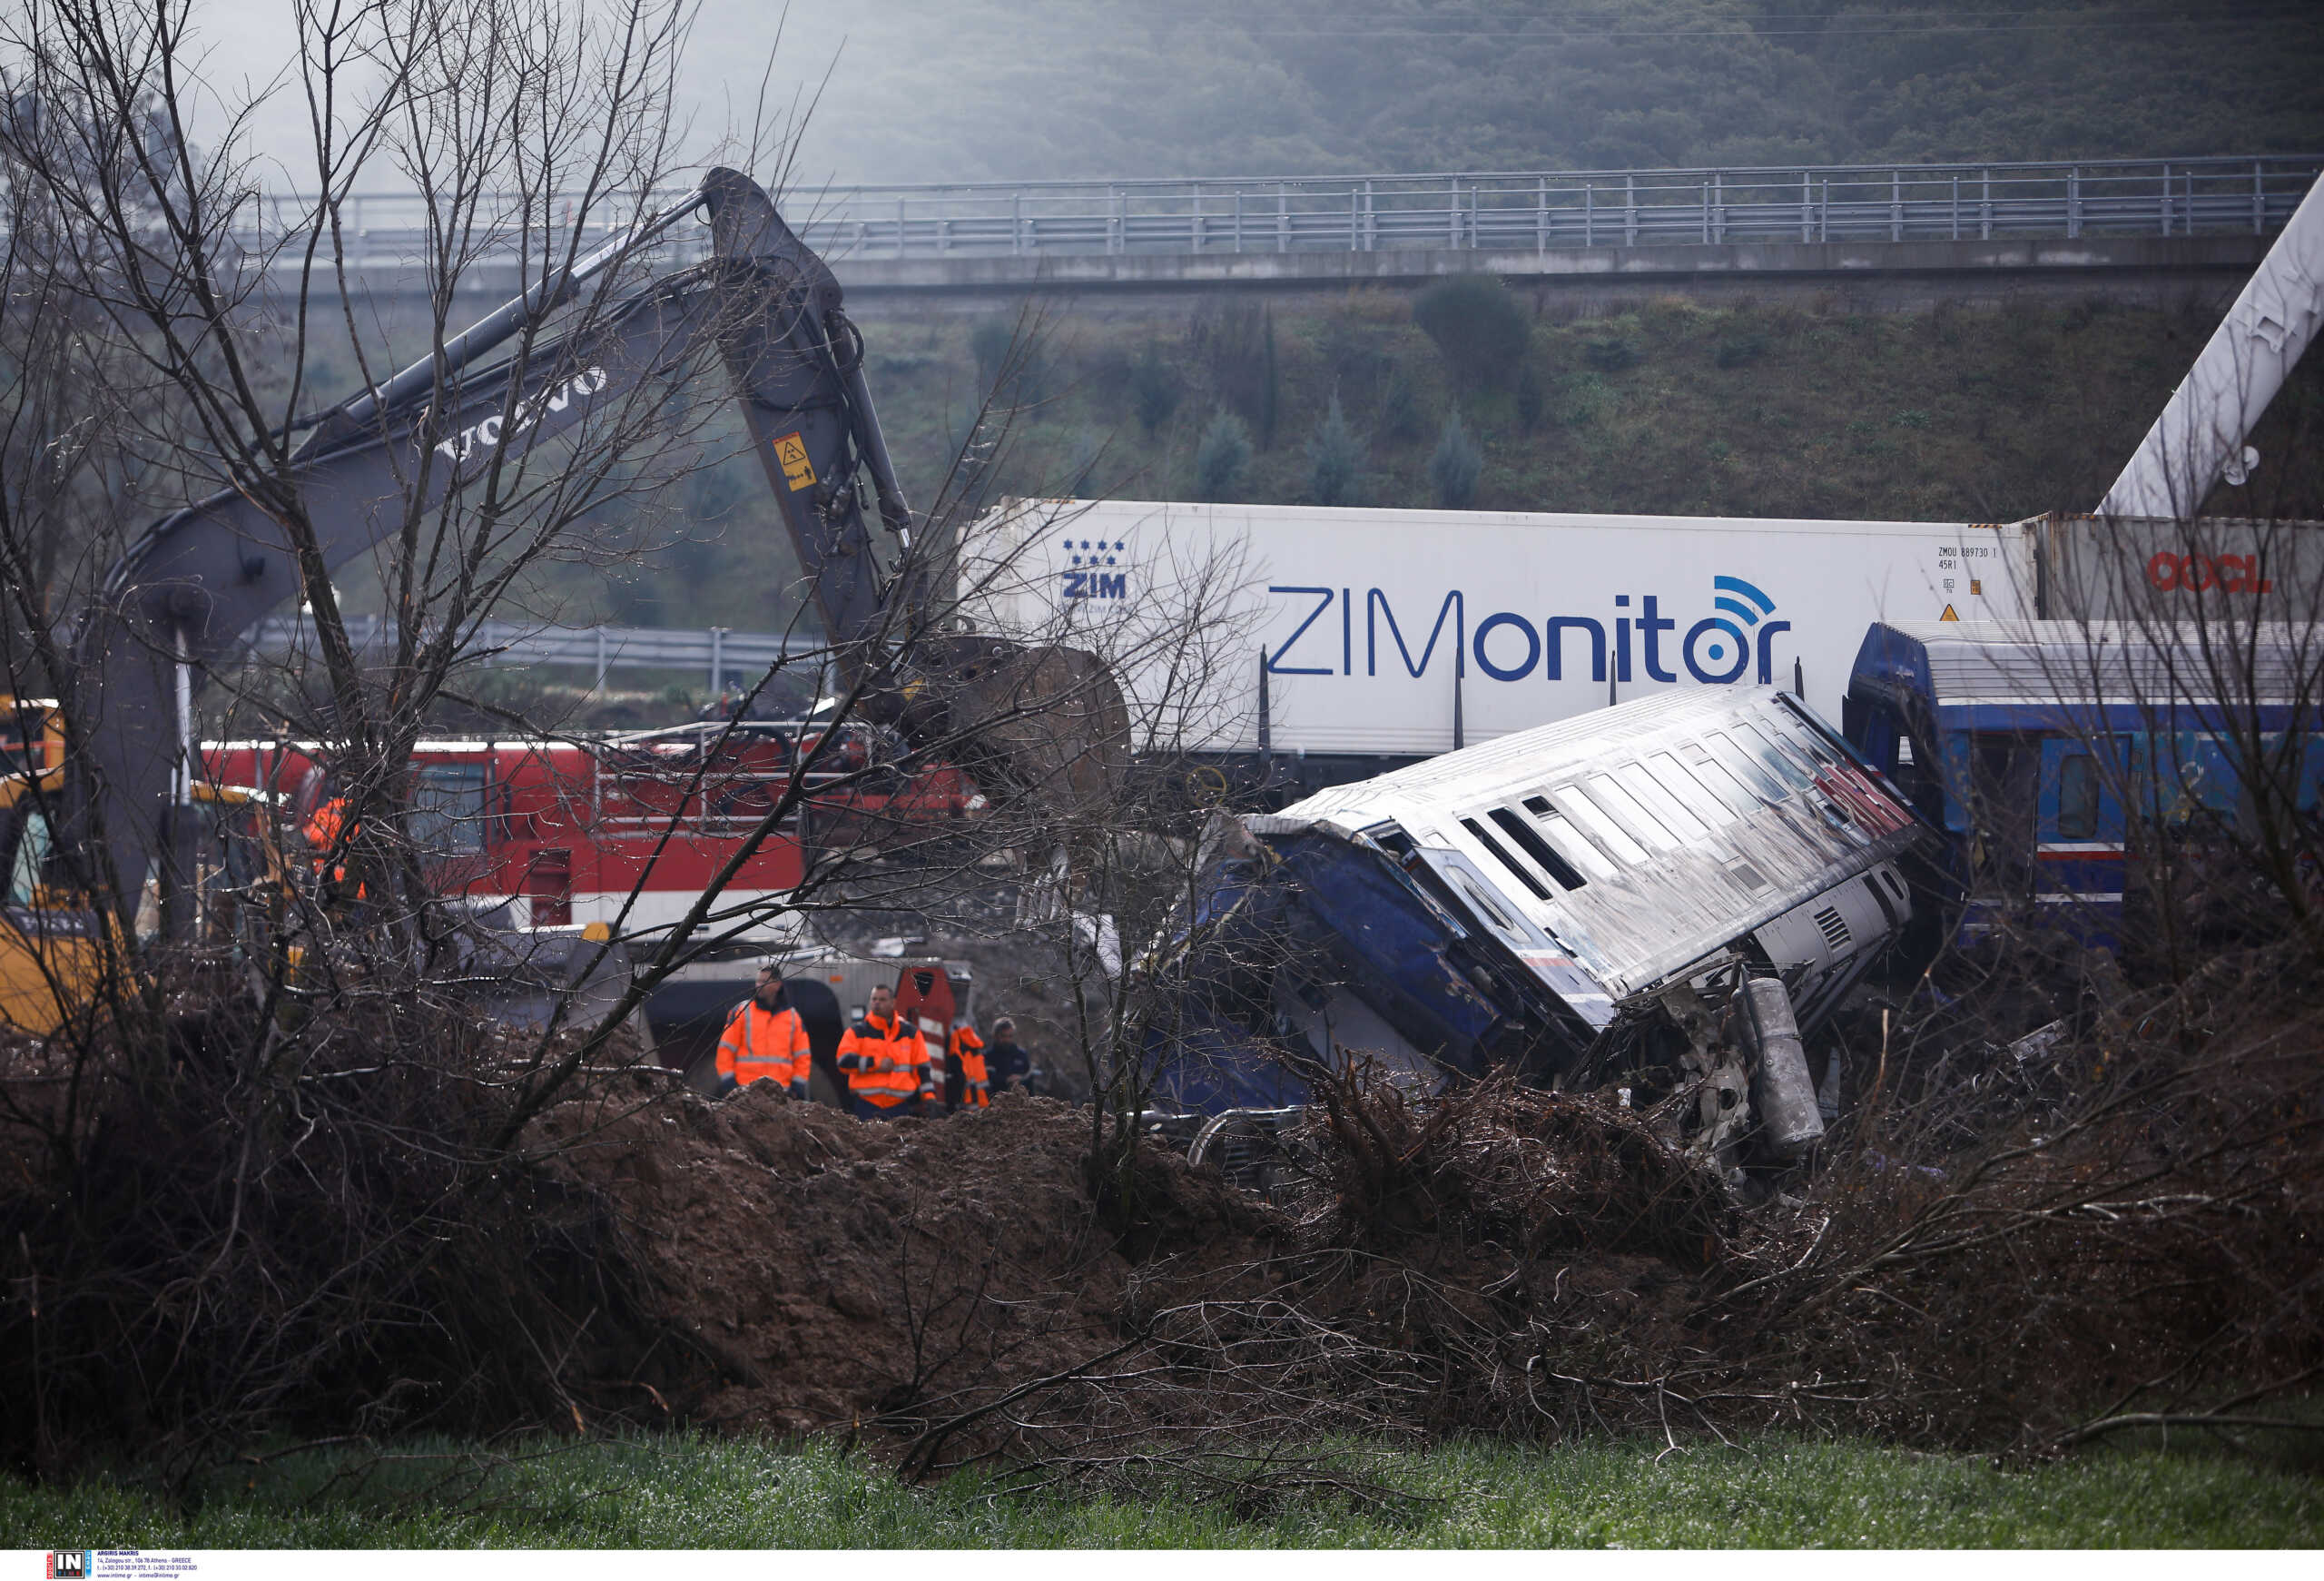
(1375, 627)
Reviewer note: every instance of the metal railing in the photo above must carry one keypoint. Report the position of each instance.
(722, 655)
(1509, 212)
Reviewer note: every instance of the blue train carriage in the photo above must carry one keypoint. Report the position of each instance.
(2031, 745)
(1554, 900)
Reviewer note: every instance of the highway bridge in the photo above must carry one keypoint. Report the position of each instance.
(2106, 223)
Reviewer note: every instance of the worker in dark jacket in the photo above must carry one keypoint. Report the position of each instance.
(885, 1060)
(1007, 1063)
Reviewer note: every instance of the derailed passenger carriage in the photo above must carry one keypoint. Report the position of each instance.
(1585, 902)
(2061, 758)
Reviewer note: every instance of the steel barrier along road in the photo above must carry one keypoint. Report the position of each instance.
(1499, 211)
(722, 655)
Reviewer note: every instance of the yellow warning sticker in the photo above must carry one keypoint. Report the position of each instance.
(791, 455)
(1948, 613)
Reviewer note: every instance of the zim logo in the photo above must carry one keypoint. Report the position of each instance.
(1093, 580)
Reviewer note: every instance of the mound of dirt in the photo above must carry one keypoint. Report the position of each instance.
(821, 1272)
(827, 1271)
(1494, 1260)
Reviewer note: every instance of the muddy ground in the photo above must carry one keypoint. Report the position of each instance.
(829, 1270)
(816, 1272)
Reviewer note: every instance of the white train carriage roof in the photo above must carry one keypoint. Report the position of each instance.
(1640, 838)
(2036, 663)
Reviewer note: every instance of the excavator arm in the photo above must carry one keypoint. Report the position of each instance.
(181, 598)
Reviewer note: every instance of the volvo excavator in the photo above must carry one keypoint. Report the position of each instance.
(178, 602)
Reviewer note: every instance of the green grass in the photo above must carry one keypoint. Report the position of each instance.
(698, 1492)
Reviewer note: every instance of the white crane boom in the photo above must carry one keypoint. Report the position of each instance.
(2201, 435)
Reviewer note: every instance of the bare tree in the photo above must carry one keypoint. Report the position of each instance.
(343, 1177)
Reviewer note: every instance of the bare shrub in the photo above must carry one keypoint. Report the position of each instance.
(196, 1260)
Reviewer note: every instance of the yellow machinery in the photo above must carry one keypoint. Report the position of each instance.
(53, 943)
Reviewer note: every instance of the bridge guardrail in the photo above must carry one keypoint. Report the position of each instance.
(721, 654)
(1522, 211)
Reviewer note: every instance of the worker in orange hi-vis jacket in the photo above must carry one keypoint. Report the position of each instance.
(765, 1041)
(886, 1061)
(965, 1086)
(323, 833)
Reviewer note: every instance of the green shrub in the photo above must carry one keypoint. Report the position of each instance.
(1586, 399)
(1532, 400)
(1086, 454)
(1610, 353)
(1011, 366)
(1236, 342)
(989, 340)
(1454, 467)
(1401, 418)
(1108, 372)
(1155, 390)
(1221, 457)
(1335, 459)
(1478, 324)
(1741, 350)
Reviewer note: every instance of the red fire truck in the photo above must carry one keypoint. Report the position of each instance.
(629, 829)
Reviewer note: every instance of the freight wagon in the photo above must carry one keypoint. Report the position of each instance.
(1326, 645)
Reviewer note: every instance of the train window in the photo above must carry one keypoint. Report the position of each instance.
(1742, 759)
(19, 745)
(446, 816)
(1505, 859)
(28, 863)
(1641, 782)
(1530, 842)
(1478, 898)
(1785, 759)
(1592, 817)
(1677, 778)
(2077, 796)
(1609, 795)
(1572, 842)
(1722, 784)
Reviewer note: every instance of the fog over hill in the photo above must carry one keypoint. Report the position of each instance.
(951, 90)
(976, 90)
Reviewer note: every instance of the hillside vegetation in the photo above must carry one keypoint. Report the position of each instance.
(1973, 414)
(1015, 90)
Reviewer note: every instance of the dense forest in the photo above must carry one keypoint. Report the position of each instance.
(974, 90)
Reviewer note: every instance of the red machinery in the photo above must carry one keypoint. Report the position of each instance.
(573, 832)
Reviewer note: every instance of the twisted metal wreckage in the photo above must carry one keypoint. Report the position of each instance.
(1671, 893)
(1665, 895)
